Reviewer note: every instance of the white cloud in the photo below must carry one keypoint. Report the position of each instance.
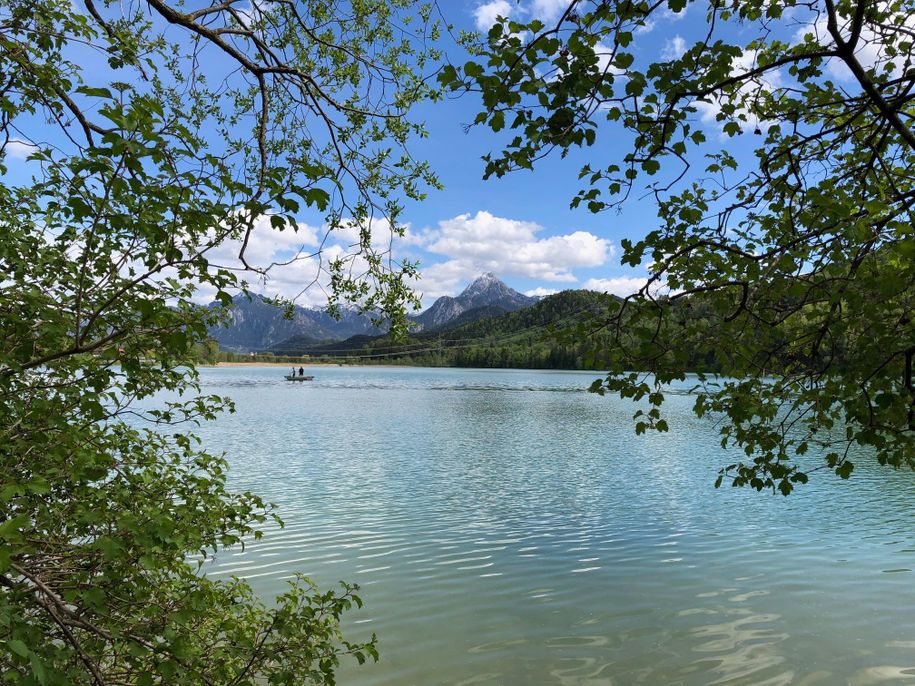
(604, 54)
(766, 82)
(665, 15)
(444, 278)
(871, 49)
(540, 292)
(288, 257)
(19, 149)
(381, 235)
(302, 280)
(548, 10)
(486, 14)
(670, 15)
(267, 245)
(507, 247)
(620, 285)
(297, 262)
(674, 48)
(747, 61)
(647, 27)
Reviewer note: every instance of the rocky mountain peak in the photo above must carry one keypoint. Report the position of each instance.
(486, 291)
(482, 284)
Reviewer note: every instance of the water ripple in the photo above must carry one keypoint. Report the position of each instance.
(516, 532)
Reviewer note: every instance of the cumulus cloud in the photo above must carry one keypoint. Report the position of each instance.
(444, 278)
(289, 258)
(604, 54)
(296, 262)
(19, 149)
(769, 81)
(267, 245)
(647, 26)
(871, 50)
(508, 247)
(670, 15)
(380, 230)
(540, 292)
(486, 14)
(664, 15)
(548, 10)
(303, 280)
(621, 285)
(674, 48)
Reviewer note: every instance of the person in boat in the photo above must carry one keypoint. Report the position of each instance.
(293, 371)
(301, 371)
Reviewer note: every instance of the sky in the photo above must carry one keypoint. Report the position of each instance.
(519, 227)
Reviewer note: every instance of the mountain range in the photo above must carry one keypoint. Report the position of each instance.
(254, 325)
(522, 338)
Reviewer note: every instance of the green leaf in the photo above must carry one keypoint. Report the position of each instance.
(18, 647)
(473, 70)
(448, 75)
(317, 197)
(623, 60)
(845, 469)
(38, 669)
(10, 529)
(95, 92)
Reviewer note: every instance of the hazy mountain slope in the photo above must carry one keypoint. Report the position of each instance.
(256, 325)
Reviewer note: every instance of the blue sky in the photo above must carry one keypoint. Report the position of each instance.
(519, 227)
(554, 247)
(580, 248)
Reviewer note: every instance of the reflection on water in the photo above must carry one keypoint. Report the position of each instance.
(508, 528)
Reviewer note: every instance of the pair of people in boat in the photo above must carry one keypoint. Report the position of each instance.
(301, 371)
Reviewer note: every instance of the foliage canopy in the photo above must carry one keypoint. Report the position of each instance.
(779, 149)
(155, 134)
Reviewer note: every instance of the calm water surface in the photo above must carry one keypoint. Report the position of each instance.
(508, 528)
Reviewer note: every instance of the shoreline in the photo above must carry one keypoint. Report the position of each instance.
(307, 365)
(271, 364)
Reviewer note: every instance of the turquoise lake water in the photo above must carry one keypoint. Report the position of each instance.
(507, 527)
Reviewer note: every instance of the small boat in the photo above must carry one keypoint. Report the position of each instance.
(299, 378)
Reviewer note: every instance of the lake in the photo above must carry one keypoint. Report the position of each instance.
(507, 527)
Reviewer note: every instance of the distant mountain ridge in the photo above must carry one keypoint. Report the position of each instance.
(254, 325)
